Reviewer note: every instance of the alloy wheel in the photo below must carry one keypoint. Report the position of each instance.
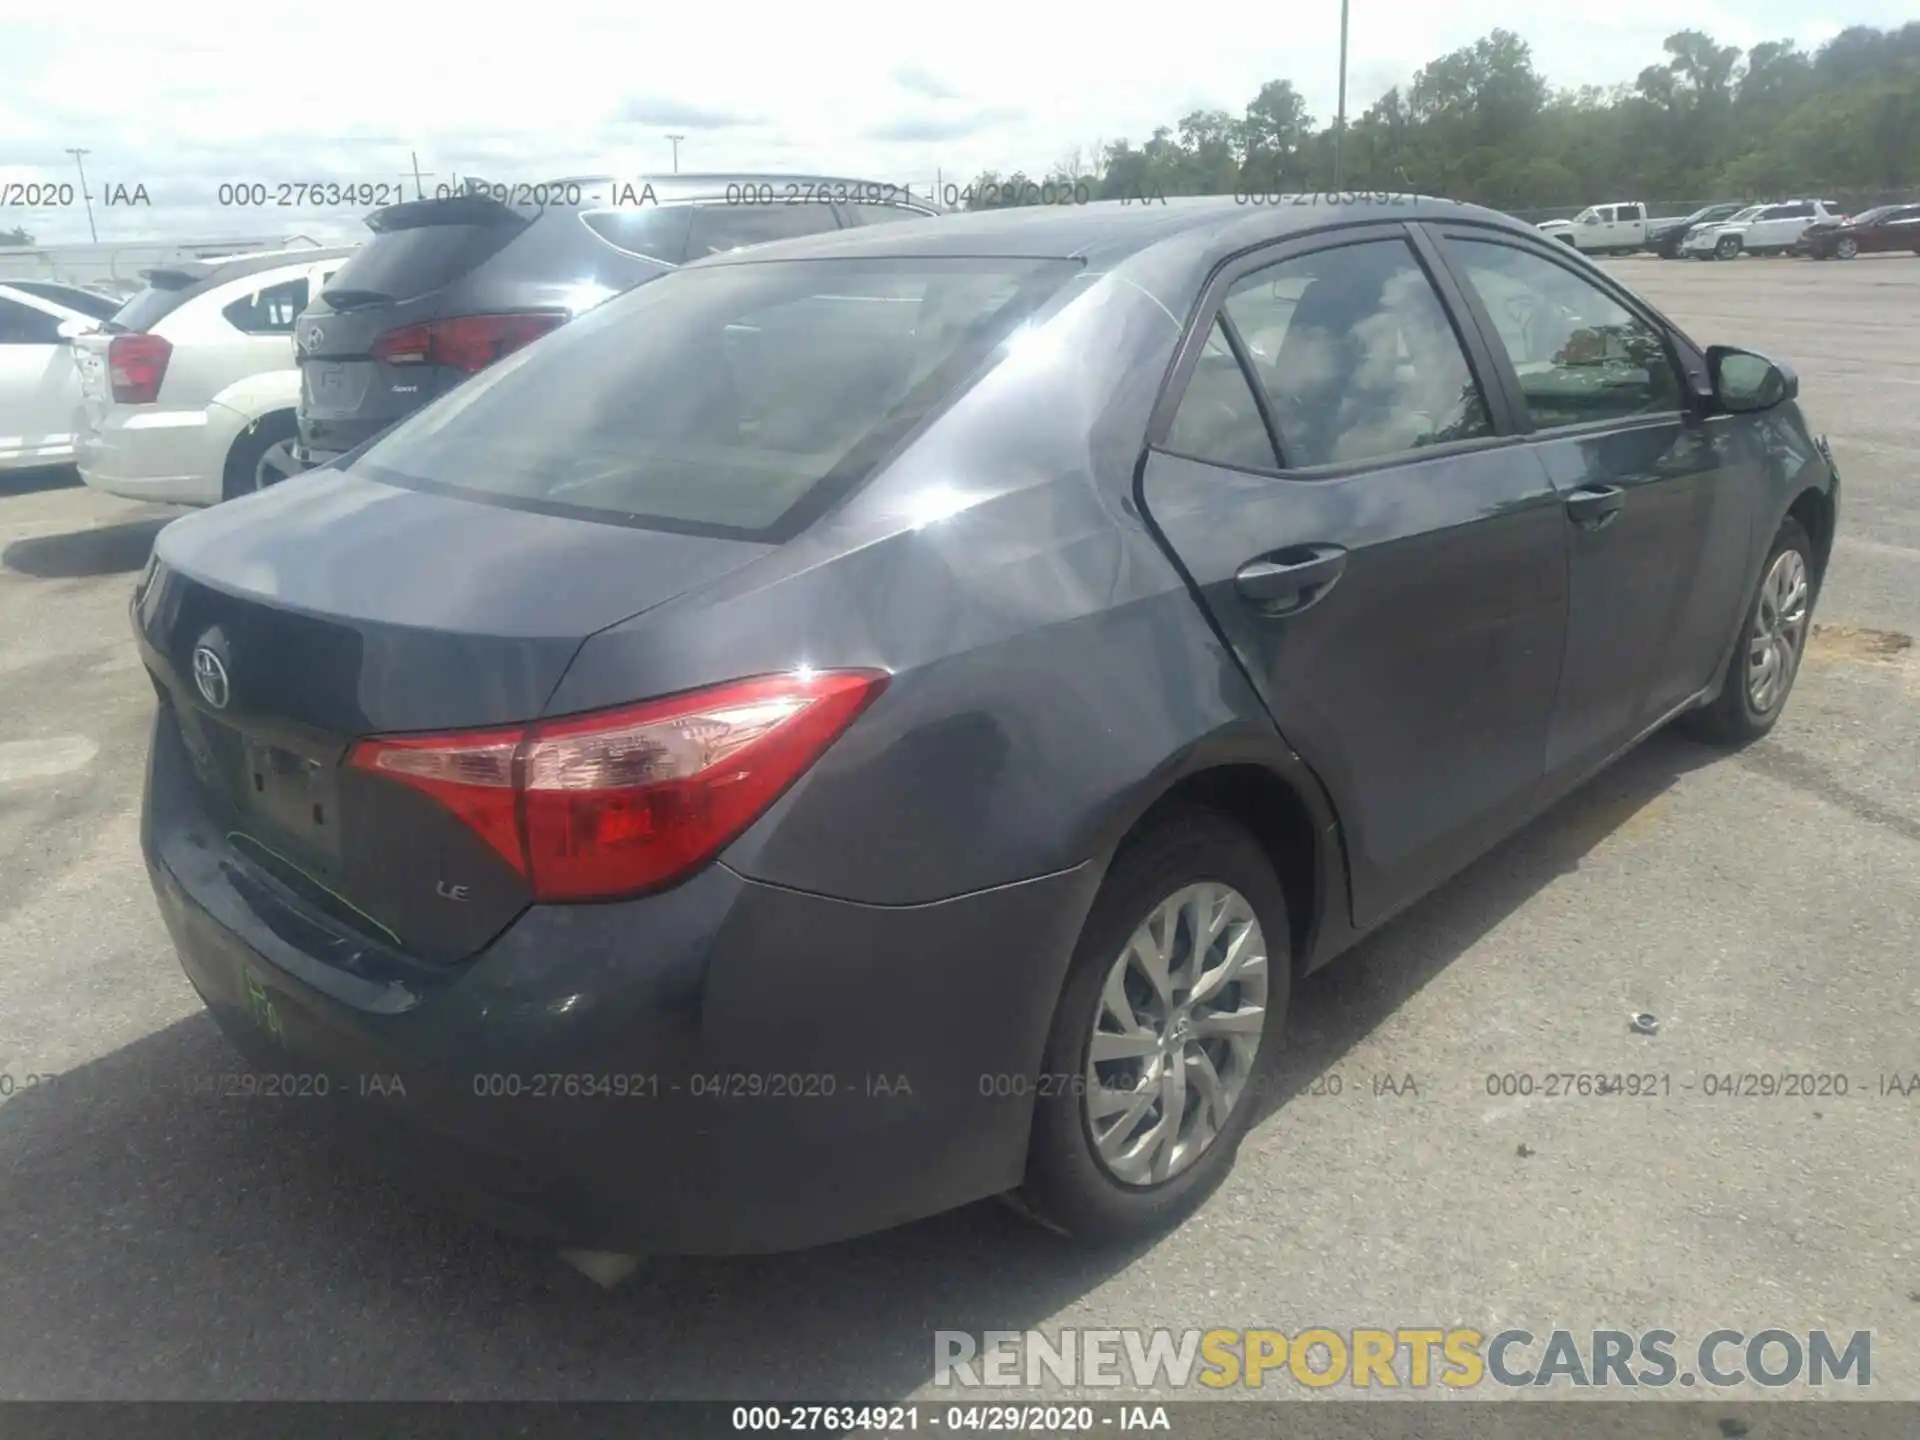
(274, 465)
(1779, 630)
(1846, 247)
(1176, 1033)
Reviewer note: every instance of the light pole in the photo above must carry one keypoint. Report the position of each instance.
(676, 139)
(1340, 122)
(77, 153)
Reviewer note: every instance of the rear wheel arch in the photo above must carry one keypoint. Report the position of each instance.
(237, 474)
(1271, 808)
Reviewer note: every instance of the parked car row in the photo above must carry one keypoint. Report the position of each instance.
(448, 286)
(1881, 229)
(224, 376)
(1819, 228)
(1759, 230)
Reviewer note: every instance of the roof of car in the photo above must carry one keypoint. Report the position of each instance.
(234, 267)
(701, 184)
(1107, 232)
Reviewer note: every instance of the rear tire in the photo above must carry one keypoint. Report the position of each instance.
(1745, 710)
(261, 456)
(1071, 1186)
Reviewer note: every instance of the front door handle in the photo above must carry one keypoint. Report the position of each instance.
(1292, 579)
(1592, 507)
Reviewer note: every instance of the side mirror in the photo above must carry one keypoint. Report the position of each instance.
(1744, 382)
(71, 330)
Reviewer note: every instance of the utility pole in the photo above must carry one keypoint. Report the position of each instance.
(77, 153)
(1340, 124)
(676, 139)
(419, 191)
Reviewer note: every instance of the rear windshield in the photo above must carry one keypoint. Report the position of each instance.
(149, 307)
(733, 400)
(405, 264)
(100, 307)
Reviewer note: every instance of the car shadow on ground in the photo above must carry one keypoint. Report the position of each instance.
(104, 550)
(166, 1244)
(32, 482)
(1334, 1008)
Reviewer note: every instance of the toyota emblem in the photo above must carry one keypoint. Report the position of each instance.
(313, 337)
(210, 678)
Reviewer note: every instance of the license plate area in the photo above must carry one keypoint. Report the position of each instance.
(331, 387)
(290, 797)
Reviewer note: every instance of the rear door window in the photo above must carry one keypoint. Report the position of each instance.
(269, 310)
(1219, 419)
(1356, 355)
(734, 400)
(653, 232)
(720, 228)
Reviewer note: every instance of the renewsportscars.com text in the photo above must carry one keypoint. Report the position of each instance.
(1411, 1358)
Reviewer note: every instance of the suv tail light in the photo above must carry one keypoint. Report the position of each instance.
(589, 807)
(137, 364)
(467, 343)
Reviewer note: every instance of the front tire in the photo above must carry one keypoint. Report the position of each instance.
(1727, 248)
(1766, 659)
(1165, 1033)
(1847, 248)
(261, 456)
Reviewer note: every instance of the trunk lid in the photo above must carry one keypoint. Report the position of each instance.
(282, 628)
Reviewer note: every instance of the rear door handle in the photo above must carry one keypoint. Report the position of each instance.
(1291, 579)
(1592, 507)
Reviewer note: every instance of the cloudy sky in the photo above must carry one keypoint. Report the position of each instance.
(181, 99)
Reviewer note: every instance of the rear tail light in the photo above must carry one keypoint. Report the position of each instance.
(467, 343)
(590, 807)
(137, 364)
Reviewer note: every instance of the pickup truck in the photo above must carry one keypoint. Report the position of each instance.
(1619, 228)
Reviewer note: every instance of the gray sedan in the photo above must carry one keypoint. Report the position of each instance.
(878, 721)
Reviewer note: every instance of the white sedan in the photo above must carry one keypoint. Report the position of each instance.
(38, 389)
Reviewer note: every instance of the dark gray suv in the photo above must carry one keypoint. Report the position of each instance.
(448, 285)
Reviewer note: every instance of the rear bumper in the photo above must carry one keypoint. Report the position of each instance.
(150, 454)
(319, 442)
(752, 1068)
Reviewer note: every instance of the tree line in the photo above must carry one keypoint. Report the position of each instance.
(1482, 124)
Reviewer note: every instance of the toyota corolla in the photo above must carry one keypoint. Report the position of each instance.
(878, 721)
